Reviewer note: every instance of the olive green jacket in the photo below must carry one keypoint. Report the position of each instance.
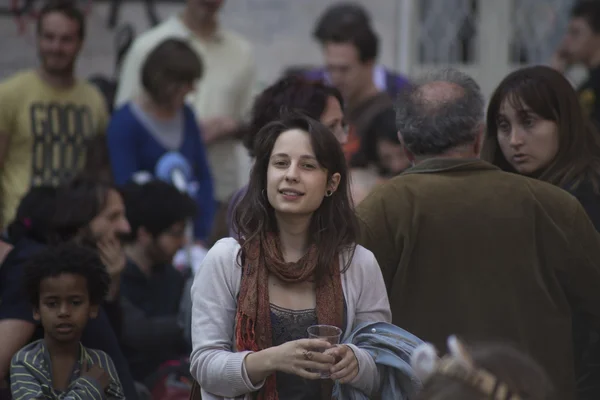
(488, 255)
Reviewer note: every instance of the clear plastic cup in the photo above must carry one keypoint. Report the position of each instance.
(329, 333)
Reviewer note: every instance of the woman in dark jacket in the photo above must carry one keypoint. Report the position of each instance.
(536, 127)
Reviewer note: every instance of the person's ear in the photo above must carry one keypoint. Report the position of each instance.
(409, 155)
(333, 184)
(479, 140)
(143, 237)
(94, 311)
(36, 314)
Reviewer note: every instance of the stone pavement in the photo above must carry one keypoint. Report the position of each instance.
(279, 29)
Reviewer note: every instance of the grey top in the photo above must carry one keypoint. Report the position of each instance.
(215, 363)
(169, 133)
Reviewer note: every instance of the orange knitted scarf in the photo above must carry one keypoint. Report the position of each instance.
(253, 320)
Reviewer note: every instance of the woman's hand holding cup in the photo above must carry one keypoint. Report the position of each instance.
(301, 357)
(346, 365)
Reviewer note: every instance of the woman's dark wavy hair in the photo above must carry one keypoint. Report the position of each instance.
(333, 227)
(548, 94)
(79, 202)
(34, 215)
(289, 94)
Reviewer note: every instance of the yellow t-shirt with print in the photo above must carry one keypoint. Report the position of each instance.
(47, 130)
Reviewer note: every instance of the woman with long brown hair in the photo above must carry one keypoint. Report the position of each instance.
(292, 93)
(536, 127)
(295, 266)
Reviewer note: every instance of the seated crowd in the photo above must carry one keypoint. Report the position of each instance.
(424, 249)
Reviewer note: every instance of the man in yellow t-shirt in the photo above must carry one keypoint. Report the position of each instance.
(47, 115)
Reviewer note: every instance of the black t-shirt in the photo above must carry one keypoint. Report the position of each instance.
(589, 96)
(151, 332)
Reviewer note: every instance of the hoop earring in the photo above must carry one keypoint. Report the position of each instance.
(328, 193)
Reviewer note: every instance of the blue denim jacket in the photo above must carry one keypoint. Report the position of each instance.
(391, 347)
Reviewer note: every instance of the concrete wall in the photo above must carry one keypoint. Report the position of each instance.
(279, 29)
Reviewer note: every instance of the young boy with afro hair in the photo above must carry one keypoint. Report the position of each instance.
(66, 284)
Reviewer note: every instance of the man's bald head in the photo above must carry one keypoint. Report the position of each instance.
(442, 111)
(440, 92)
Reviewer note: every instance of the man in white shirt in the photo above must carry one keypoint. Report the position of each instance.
(223, 95)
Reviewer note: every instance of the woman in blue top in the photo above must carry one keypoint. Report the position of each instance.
(158, 133)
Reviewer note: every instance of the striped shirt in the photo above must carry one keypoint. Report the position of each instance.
(31, 376)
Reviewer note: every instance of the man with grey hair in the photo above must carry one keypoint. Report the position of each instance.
(443, 112)
(468, 249)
